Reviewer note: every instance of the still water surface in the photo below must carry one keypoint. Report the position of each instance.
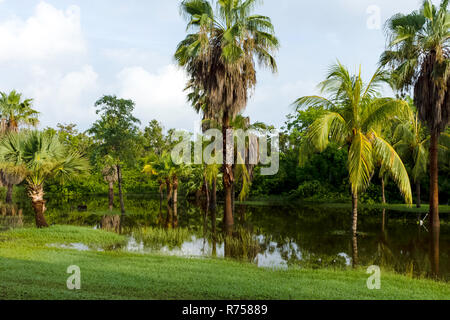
(269, 235)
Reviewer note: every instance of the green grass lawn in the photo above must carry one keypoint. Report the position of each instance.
(29, 269)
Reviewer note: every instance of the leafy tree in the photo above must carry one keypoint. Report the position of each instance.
(219, 58)
(419, 52)
(38, 157)
(154, 138)
(353, 120)
(116, 134)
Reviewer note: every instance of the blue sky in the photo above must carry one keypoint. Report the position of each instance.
(67, 53)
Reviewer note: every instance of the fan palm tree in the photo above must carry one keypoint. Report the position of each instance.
(419, 53)
(353, 119)
(14, 112)
(219, 56)
(38, 157)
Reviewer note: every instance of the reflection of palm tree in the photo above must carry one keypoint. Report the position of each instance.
(434, 252)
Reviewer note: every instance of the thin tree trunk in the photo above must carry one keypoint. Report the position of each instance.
(355, 259)
(175, 190)
(214, 194)
(119, 176)
(228, 178)
(355, 214)
(161, 195)
(36, 193)
(383, 193)
(169, 191)
(175, 202)
(434, 180)
(9, 193)
(111, 196)
(418, 195)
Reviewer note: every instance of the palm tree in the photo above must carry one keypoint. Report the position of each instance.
(110, 176)
(419, 52)
(38, 157)
(14, 111)
(353, 120)
(412, 141)
(220, 56)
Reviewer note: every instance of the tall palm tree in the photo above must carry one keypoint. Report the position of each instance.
(354, 117)
(219, 56)
(14, 112)
(39, 156)
(419, 53)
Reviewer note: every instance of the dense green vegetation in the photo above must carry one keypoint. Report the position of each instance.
(31, 270)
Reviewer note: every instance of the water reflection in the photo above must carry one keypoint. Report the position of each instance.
(434, 251)
(277, 236)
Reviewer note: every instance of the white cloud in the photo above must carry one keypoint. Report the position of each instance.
(158, 95)
(49, 33)
(67, 98)
(44, 56)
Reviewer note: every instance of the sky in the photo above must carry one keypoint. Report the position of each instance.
(66, 54)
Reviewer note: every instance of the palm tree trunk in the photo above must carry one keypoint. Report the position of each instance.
(418, 195)
(169, 191)
(175, 190)
(9, 193)
(119, 180)
(161, 195)
(383, 193)
(36, 193)
(355, 213)
(111, 195)
(228, 178)
(214, 194)
(175, 202)
(434, 180)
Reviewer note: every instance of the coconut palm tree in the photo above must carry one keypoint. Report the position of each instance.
(14, 112)
(419, 53)
(219, 56)
(413, 142)
(354, 117)
(38, 157)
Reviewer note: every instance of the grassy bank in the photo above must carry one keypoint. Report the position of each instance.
(30, 269)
